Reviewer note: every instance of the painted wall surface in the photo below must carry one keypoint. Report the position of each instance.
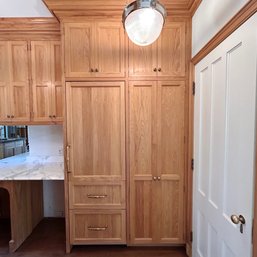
(48, 140)
(23, 8)
(210, 17)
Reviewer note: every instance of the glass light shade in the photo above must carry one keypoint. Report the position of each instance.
(143, 21)
(144, 26)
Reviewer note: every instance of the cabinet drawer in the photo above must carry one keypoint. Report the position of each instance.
(98, 226)
(98, 196)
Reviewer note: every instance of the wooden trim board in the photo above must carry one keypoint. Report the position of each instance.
(244, 14)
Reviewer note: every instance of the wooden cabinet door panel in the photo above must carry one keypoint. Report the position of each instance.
(169, 210)
(142, 60)
(96, 130)
(142, 156)
(4, 82)
(79, 49)
(172, 50)
(41, 76)
(110, 49)
(171, 159)
(56, 75)
(19, 81)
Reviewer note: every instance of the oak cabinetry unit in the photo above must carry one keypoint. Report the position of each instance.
(96, 162)
(14, 82)
(47, 87)
(156, 157)
(164, 58)
(94, 49)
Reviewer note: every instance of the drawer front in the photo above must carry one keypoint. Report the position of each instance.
(97, 196)
(97, 227)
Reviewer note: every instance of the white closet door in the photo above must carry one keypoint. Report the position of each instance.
(224, 146)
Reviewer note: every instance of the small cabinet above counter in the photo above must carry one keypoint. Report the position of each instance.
(31, 90)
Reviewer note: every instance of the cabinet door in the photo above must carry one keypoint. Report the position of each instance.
(19, 81)
(79, 49)
(41, 76)
(57, 88)
(172, 50)
(4, 82)
(142, 60)
(170, 161)
(96, 130)
(110, 49)
(142, 159)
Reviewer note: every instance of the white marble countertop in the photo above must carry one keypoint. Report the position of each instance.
(32, 167)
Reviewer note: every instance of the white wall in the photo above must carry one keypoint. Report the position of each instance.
(23, 8)
(48, 140)
(210, 17)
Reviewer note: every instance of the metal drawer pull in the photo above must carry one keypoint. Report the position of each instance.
(97, 228)
(96, 196)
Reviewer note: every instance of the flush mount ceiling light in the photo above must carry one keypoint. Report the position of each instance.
(143, 20)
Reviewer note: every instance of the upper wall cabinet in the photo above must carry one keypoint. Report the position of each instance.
(94, 49)
(14, 82)
(46, 81)
(164, 58)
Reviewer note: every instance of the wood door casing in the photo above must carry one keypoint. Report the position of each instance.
(156, 155)
(96, 130)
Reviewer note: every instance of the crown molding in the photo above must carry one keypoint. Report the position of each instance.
(29, 28)
(70, 8)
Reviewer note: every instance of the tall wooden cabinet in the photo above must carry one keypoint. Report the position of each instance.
(152, 208)
(46, 81)
(96, 162)
(14, 81)
(156, 160)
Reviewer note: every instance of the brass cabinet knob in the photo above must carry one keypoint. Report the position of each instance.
(154, 178)
(8, 116)
(159, 69)
(159, 178)
(155, 69)
(96, 70)
(91, 70)
(50, 116)
(12, 116)
(54, 116)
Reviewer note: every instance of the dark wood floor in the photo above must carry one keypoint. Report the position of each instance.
(48, 240)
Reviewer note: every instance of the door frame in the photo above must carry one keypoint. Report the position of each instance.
(243, 15)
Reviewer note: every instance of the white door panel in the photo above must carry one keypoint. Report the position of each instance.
(224, 143)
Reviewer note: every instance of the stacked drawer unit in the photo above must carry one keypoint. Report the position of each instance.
(96, 162)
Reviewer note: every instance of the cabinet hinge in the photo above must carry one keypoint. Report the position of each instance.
(192, 164)
(191, 236)
(252, 231)
(193, 88)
